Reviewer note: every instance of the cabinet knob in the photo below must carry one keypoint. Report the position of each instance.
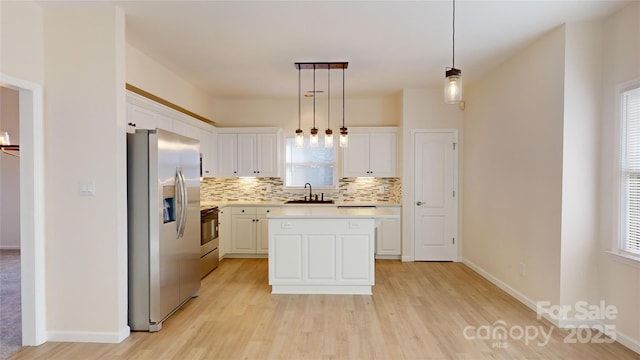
(268, 210)
(242, 210)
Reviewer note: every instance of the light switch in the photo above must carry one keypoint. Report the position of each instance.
(287, 225)
(87, 188)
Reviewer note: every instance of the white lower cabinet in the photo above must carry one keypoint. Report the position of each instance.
(389, 236)
(249, 231)
(321, 256)
(224, 230)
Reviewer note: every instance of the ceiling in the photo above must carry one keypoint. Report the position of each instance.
(239, 49)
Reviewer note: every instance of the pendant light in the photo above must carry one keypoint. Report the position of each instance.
(344, 135)
(299, 139)
(453, 76)
(313, 138)
(328, 134)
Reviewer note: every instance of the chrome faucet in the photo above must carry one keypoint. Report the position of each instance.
(310, 193)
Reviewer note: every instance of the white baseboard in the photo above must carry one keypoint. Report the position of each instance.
(89, 337)
(502, 285)
(407, 258)
(627, 341)
(9, 247)
(622, 338)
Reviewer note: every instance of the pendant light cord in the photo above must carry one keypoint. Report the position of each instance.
(299, 113)
(453, 50)
(343, 97)
(328, 97)
(314, 96)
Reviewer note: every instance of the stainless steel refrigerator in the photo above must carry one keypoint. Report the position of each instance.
(163, 225)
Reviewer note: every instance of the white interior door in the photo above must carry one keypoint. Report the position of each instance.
(435, 198)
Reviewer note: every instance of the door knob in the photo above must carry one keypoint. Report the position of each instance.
(420, 203)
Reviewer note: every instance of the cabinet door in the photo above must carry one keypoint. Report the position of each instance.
(227, 155)
(262, 234)
(356, 156)
(382, 154)
(213, 154)
(205, 151)
(247, 164)
(224, 230)
(243, 234)
(140, 117)
(267, 155)
(388, 236)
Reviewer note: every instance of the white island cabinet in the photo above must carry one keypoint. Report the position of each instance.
(323, 250)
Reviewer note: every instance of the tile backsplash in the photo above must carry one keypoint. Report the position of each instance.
(271, 189)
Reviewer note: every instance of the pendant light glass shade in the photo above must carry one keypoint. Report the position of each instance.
(453, 86)
(344, 137)
(328, 138)
(313, 138)
(299, 140)
(4, 138)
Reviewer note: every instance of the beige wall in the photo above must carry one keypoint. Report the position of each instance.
(147, 74)
(513, 170)
(284, 113)
(9, 172)
(86, 236)
(619, 280)
(21, 39)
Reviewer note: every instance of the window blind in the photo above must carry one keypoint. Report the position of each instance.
(631, 170)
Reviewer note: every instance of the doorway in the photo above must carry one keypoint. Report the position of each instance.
(435, 201)
(10, 298)
(32, 220)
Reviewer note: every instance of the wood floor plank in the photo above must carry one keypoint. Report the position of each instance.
(417, 311)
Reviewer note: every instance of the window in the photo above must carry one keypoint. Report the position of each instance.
(310, 165)
(630, 166)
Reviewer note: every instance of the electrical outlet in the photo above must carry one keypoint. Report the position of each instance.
(523, 269)
(381, 189)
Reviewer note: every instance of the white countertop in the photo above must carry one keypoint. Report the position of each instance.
(323, 212)
(379, 204)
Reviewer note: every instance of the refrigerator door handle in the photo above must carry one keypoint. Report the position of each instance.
(178, 203)
(184, 199)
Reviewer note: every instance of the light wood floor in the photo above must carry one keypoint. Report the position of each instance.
(418, 311)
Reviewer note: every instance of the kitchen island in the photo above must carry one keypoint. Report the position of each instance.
(322, 250)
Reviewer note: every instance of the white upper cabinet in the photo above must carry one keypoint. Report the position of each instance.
(143, 113)
(139, 117)
(248, 153)
(205, 138)
(228, 155)
(372, 152)
(247, 159)
(267, 154)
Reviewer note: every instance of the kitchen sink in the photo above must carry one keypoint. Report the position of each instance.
(309, 202)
